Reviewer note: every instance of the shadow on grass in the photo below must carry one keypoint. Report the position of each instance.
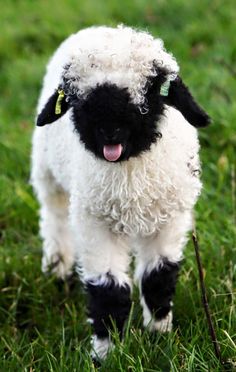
(41, 304)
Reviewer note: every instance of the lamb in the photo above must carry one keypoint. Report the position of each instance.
(115, 167)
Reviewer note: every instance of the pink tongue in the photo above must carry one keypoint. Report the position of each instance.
(112, 152)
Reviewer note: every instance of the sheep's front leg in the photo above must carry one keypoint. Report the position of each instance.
(109, 305)
(103, 264)
(157, 271)
(158, 288)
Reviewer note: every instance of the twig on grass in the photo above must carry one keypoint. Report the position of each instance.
(205, 301)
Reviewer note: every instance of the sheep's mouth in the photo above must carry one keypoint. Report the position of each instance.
(112, 152)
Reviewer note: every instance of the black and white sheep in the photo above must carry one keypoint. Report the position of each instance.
(116, 172)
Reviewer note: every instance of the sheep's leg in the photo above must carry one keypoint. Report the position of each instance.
(103, 264)
(108, 305)
(58, 247)
(157, 271)
(158, 287)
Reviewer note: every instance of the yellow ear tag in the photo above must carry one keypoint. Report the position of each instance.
(61, 95)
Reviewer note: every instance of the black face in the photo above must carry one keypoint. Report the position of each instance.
(112, 127)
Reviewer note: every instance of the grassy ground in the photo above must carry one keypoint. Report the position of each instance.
(43, 323)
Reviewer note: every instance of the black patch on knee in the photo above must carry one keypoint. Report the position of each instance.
(106, 304)
(158, 288)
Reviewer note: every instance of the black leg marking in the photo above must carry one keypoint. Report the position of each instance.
(106, 302)
(158, 288)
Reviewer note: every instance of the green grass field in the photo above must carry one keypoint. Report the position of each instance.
(43, 324)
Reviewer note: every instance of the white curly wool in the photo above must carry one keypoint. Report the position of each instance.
(118, 55)
(96, 212)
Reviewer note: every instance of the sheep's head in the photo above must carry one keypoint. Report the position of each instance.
(112, 126)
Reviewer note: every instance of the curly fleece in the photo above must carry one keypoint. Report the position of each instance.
(94, 212)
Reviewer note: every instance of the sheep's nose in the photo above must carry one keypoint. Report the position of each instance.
(112, 136)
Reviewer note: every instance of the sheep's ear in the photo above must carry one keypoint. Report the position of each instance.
(180, 98)
(55, 107)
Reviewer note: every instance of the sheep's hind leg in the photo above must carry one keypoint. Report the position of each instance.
(58, 246)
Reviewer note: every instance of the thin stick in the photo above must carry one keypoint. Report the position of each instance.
(205, 301)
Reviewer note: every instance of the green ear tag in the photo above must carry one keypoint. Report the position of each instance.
(165, 88)
(61, 95)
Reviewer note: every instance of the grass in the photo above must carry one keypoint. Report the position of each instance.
(43, 324)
